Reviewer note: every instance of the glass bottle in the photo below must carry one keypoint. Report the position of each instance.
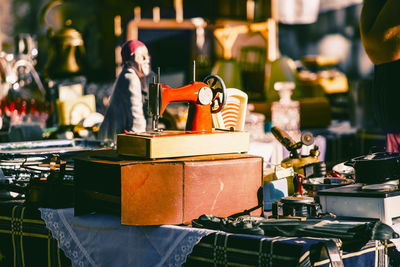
(285, 113)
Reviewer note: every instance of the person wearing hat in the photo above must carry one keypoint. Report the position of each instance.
(128, 105)
(380, 34)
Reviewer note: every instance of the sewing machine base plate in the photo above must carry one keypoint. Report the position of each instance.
(170, 144)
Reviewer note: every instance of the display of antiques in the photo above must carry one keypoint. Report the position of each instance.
(375, 193)
(363, 188)
(201, 176)
(204, 98)
(41, 173)
(187, 173)
(352, 236)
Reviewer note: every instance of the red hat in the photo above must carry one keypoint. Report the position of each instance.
(129, 48)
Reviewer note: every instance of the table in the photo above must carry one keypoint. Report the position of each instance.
(26, 241)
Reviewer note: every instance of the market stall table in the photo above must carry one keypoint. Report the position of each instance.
(100, 240)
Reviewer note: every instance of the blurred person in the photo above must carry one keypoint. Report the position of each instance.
(128, 105)
(380, 34)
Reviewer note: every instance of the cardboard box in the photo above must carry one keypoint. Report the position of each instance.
(166, 191)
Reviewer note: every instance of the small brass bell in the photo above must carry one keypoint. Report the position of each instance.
(66, 54)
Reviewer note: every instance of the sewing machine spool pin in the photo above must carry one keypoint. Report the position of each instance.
(194, 70)
(155, 101)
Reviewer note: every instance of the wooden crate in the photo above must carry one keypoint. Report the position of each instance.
(166, 191)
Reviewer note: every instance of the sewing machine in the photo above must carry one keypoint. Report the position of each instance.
(198, 138)
(174, 176)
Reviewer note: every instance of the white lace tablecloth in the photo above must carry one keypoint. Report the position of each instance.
(101, 240)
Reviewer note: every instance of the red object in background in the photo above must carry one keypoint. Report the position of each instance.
(20, 110)
(298, 183)
(335, 175)
(11, 107)
(393, 142)
(32, 107)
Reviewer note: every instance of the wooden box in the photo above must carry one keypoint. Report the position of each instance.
(172, 144)
(166, 191)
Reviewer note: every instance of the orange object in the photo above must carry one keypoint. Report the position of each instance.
(166, 191)
(199, 117)
(300, 184)
(204, 98)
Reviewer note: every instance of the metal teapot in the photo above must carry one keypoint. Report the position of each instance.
(66, 54)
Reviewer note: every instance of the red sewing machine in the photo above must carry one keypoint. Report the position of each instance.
(204, 98)
(174, 176)
(199, 138)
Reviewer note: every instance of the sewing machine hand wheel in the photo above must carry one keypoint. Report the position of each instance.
(218, 88)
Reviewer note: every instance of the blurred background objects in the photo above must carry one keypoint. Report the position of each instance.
(61, 57)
